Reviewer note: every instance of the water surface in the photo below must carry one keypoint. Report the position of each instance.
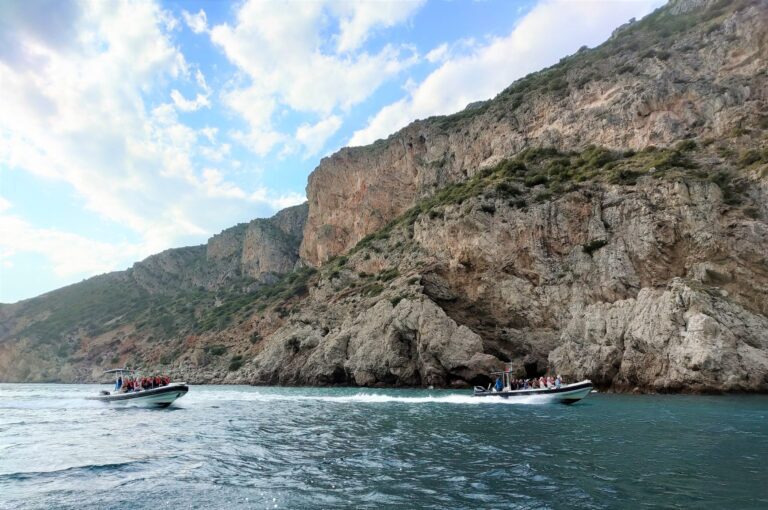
(243, 447)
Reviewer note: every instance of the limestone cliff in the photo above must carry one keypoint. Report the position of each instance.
(681, 72)
(259, 251)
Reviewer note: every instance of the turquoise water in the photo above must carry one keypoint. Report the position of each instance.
(243, 447)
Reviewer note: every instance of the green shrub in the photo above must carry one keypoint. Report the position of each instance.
(511, 167)
(592, 246)
(235, 365)
(685, 145)
(215, 350)
(395, 300)
(373, 290)
(506, 189)
(488, 208)
(624, 176)
(749, 157)
(535, 180)
(388, 274)
(671, 159)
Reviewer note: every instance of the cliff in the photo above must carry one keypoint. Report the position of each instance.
(603, 218)
(676, 74)
(70, 333)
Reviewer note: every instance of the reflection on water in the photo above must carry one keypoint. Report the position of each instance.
(243, 447)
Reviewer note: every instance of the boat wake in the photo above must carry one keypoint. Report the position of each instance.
(371, 398)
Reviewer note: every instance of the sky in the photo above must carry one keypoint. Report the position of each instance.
(131, 127)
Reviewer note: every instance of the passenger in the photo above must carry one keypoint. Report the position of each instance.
(158, 382)
(167, 380)
(499, 385)
(558, 381)
(542, 383)
(118, 383)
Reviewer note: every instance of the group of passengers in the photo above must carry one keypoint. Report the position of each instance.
(140, 383)
(542, 383)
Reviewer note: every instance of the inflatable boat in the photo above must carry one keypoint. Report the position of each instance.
(160, 396)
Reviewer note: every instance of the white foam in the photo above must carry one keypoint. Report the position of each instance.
(375, 398)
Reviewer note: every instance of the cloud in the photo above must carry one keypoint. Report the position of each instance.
(438, 54)
(357, 19)
(69, 254)
(283, 53)
(279, 202)
(189, 105)
(552, 29)
(198, 23)
(87, 105)
(313, 137)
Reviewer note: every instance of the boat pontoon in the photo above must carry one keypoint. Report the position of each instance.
(565, 394)
(161, 396)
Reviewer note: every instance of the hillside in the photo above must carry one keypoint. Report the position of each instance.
(604, 218)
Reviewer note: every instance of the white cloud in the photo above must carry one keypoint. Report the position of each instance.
(200, 79)
(198, 23)
(278, 202)
(438, 54)
(359, 18)
(313, 137)
(189, 105)
(210, 133)
(552, 29)
(284, 55)
(82, 104)
(68, 253)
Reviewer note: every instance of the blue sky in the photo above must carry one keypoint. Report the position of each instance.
(127, 128)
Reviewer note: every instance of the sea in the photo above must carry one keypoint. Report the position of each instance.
(235, 447)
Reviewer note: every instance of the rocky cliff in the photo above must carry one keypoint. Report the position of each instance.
(255, 252)
(604, 218)
(681, 72)
(68, 334)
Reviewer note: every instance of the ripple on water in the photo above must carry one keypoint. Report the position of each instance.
(243, 447)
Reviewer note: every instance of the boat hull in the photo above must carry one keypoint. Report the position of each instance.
(156, 397)
(566, 394)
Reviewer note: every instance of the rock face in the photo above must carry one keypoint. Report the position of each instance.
(649, 85)
(260, 250)
(412, 343)
(671, 339)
